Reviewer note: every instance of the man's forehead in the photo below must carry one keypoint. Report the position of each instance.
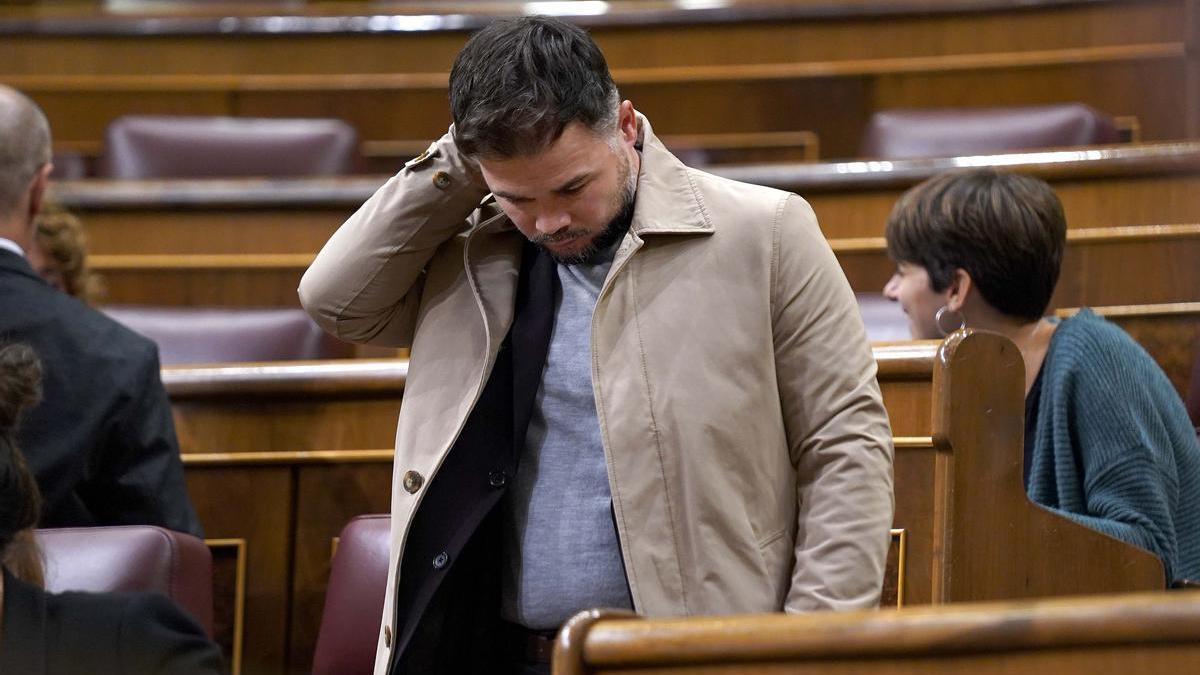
(576, 154)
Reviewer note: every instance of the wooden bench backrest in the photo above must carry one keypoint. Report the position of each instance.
(1113, 635)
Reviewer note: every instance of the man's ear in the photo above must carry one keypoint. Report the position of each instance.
(37, 189)
(960, 287)
(627, 122)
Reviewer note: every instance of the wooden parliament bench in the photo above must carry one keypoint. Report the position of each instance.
(279, 457)
(1145, 633)
(1135, 265)
(246, 242)
(748, 65)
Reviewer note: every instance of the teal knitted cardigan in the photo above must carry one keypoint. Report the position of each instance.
(1113, 447)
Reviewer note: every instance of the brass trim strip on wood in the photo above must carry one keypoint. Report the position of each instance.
(1178, 309)
(239, 597)
(902, 545)
(913, 442)
(218, 459)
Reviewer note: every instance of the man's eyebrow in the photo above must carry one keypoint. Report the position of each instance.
(575, 181)
(509, 196)
(586, 175)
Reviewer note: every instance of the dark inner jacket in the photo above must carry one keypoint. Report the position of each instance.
(447, 615)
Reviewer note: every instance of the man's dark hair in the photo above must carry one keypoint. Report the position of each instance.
(1006, 230)
(519, 82)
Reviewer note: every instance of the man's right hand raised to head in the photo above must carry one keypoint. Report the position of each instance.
(364, 285)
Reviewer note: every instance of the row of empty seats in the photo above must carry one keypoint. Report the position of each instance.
(154, 147)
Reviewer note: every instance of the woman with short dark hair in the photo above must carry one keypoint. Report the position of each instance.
(1108, 442)
(73, 633)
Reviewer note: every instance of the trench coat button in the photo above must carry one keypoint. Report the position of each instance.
(440, 560)
(441, 180)
(387, 637)
(497, 479)
(412, 481)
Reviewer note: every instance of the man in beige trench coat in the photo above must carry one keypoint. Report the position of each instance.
(632, 384)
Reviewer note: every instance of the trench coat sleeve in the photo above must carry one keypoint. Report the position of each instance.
(365, 284)
(837, 428)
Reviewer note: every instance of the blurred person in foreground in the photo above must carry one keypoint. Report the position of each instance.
(73, 633)
(1108, 442)
(102, 442)
(632, 384)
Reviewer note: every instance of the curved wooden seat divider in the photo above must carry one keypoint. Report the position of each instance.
(1112, 635)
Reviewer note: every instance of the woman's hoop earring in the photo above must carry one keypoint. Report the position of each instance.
(941, 314)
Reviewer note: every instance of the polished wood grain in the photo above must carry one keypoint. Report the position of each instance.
(751, 67)
(246, 242)
(1149, 264)
(1133, 633)
(282, 455)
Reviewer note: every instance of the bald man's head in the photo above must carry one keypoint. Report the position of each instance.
(24, 147)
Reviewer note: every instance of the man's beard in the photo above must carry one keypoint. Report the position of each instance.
(607, 237)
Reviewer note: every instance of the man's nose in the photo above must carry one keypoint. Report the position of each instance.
(891, 290)
(550, 223)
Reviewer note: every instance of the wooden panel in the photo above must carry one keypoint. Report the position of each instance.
(1110, 202)
(699, 36)
(328, 496)
(1103, 266)
(253, 504)
(756, 67)
(1107, 266)
(282, 456)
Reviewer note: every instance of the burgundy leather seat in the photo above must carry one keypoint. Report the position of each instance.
(951, 132)
(228, 334)
(354, 600)
(203, 147)
(131, 558)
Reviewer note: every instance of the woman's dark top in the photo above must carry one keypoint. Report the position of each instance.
(100, 634)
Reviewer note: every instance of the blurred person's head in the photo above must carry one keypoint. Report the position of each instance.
(534, 103)
(980, 248)
(24, 164)
(20, 501)
(59, 254)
